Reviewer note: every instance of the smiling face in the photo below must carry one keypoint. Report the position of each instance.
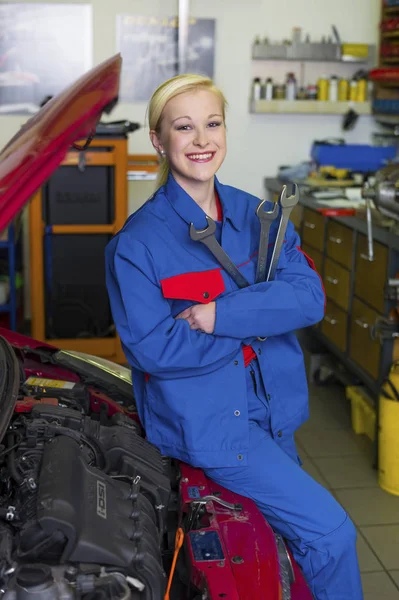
(193, 136)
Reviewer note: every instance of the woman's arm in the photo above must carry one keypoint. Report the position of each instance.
(152, 339)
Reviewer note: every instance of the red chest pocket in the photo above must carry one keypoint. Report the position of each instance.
(203, 286)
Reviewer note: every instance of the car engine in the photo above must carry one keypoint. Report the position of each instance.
(83, 506)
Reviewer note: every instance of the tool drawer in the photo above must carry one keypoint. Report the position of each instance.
(313, 229)
(337, 283)
(334, 325)
(340, 243)
(363, 350)
(370, 277)
(316, 256)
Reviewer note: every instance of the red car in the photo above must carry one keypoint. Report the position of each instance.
(88, 508)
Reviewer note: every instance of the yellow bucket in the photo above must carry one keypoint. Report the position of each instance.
(388, 438)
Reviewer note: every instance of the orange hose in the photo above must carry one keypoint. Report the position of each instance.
(179, 539)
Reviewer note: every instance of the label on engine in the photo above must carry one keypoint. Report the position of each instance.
(49, 383)
(206, 545)
(101, 499)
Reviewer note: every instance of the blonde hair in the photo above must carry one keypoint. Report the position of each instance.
(170, 89)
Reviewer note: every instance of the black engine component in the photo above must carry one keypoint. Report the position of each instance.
(86, 505)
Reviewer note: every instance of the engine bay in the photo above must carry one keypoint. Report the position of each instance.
(83, 497)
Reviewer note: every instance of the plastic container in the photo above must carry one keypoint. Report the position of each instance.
(388, 439)
(357, 157)
(363, 412)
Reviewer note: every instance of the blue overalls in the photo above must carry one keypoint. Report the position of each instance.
(197, 400)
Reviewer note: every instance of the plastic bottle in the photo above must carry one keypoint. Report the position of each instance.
(290, 88)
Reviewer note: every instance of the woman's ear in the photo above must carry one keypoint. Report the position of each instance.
(156, 142)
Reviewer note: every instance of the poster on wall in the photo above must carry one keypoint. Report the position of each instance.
(149, 48)
(43, 48)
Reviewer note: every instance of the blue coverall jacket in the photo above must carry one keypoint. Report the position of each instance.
(190, 387)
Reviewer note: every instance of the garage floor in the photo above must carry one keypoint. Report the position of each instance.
(342, 462)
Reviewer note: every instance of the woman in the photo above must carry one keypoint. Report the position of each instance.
(218, 373)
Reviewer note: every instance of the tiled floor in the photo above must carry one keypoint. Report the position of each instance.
(342, 462)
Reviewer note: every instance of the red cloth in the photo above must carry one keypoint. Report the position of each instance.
(219, 207)
(249, 354)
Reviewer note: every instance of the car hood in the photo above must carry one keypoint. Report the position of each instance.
(38, 148)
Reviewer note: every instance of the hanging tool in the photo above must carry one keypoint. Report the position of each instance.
(287, 204)
(207, 237)
(266, 218)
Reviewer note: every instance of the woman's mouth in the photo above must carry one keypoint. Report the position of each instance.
(201, 157)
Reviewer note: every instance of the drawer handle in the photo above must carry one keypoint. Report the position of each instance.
(332, 280)
(335, 240)
(362, 324)
(309, 225)
(330, 320)
(367, 257)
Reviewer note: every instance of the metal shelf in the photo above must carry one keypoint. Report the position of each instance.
(344, 59)
(308, 107)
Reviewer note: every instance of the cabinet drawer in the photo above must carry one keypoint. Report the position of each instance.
(340, 243)
(363, 350)
(370, 277)
(334, 325)
(313, 229)
(316, 256)
(337, 283)
(297, 216)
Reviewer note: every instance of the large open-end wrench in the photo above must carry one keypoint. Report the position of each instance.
(266, 218)
(287, 204)
(207, 237)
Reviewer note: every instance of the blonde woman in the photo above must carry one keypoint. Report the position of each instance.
(218, 374)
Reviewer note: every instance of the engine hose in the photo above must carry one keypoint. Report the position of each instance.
(12, 467)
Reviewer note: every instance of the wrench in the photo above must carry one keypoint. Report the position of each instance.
(287, 204)
(207, 237)
(266, 218)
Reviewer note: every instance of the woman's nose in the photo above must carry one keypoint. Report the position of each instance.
(201, 139)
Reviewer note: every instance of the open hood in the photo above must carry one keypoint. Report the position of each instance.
(34, 153)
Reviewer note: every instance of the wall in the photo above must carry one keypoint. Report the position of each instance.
(258, 144)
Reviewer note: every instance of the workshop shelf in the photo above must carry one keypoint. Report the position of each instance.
(309, 107)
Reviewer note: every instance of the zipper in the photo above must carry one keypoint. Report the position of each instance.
(252, 373)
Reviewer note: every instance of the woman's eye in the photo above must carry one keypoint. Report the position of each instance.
(215, 124)
(183, 128)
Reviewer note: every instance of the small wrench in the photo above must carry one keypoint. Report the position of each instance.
(266, 218)
(207, 237)
(287, 204)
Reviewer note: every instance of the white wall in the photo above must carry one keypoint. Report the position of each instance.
(258, 144)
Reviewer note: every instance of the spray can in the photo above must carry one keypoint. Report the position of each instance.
(322, 89)
(269, 89)
(333, 89)
(343, 90)
(353, 90)
(256, 89)
(361, 92)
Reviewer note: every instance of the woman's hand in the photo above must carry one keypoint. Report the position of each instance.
(200, 317)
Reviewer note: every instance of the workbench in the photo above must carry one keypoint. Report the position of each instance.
(360, 323)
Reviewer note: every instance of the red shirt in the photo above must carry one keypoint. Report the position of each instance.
(248, 351)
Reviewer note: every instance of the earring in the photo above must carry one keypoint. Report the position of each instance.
(162, 152)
